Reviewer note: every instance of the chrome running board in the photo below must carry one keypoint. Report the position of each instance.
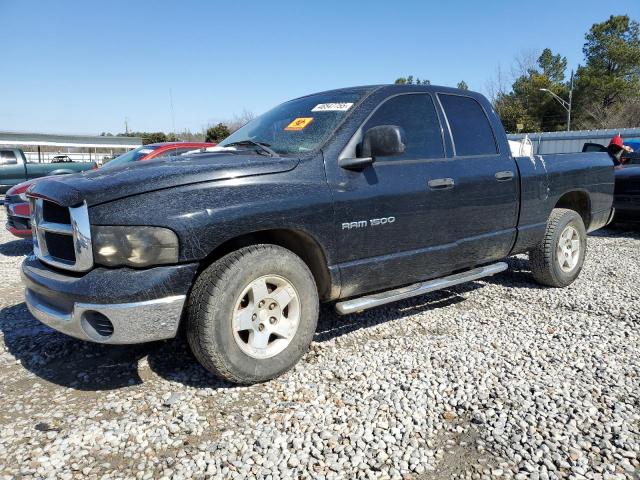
(377, 299)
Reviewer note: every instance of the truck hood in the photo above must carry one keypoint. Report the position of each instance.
(102, 186)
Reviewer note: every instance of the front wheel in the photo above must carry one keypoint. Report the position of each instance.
(252, 314)
(558, 260)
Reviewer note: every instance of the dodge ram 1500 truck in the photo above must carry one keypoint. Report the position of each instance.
(360, 196)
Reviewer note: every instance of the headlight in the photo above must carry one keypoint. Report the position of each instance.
(133, 246)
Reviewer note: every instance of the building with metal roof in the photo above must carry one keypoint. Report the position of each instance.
(78, 141)
(572, 141)
(44, 143)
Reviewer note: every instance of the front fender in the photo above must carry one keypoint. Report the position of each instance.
(205, 215)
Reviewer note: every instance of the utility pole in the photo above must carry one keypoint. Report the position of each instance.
(173, 118)
(566, 105)
(570, 102)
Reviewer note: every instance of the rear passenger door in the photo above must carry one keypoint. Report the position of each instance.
(485, 182)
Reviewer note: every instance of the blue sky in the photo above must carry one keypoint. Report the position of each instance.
(83, 66)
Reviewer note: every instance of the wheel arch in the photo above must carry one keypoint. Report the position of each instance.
(578, 201)
(298, 241)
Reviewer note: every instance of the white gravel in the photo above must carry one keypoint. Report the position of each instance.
(498, 378)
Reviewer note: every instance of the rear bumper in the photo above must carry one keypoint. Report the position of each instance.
(114, 306)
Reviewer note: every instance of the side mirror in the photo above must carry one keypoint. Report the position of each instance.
(382, 141)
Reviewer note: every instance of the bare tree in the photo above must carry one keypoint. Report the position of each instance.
(498, 85)
(621, 115)
(240, 120)
(525, 61)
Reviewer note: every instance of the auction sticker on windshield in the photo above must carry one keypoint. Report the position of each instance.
(332, 107)
(299, 123)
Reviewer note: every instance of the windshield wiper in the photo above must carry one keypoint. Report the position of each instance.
(261, 145)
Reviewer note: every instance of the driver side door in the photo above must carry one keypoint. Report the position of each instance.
(391, 227)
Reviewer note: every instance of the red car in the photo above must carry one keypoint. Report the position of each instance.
(15, 202)
(156, 150)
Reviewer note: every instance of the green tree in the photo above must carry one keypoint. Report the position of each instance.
(552, 66)
(610, 76)
(154, 137)
(527, 107)
(411, 81)
(462, 85)
(217, 133)
(147, 137)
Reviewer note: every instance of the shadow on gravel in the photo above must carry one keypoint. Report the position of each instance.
(517, 275)
(66, 361)
(619, 230)
(16, 248)
(81, 365)
(332, 325)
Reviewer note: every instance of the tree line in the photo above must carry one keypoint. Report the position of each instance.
(213, 133)
(604, 90)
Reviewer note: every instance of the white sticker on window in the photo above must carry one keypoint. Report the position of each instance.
(332, 107)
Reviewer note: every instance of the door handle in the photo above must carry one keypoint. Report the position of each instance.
(441, 183)
(504, 175)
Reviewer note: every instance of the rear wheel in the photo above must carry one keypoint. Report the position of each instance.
(558, 260)
(252, 314)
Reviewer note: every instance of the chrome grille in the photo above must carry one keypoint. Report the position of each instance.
(76, 255)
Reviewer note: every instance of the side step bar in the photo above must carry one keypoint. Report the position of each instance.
(377, 299)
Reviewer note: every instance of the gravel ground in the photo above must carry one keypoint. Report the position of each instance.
(497, 378)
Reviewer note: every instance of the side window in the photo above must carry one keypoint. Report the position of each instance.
(8, 157)
(470, 127)
(416, 115)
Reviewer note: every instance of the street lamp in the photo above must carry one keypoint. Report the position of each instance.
(566, 105)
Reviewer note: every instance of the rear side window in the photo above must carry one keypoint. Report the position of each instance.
(470, 127)
(8, 157)
(416, 115)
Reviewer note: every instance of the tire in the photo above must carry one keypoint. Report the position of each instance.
(555, 268)
(226, 298)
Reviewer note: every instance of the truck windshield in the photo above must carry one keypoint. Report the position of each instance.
(297, 126)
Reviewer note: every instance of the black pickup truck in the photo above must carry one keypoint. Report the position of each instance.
(359, 196)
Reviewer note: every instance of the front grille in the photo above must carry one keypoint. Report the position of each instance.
(52, 212)
(60, 246)
(61, 235)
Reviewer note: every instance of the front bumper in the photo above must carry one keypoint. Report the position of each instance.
(17, 224)
(114, 306)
